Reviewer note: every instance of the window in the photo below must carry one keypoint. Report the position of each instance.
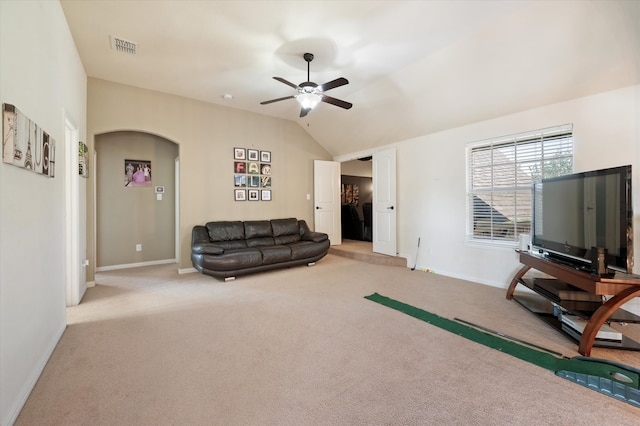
(499, 177)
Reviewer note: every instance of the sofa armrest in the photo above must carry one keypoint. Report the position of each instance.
(316, 237)
(207, 248)
(308, 235)
(200, 243)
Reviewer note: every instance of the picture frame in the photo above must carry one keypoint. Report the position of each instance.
(265, 181)
(254, 181)
(239, 167)
(265, 169)
(266, 195)
(240, 181)
(83, 159)
(253, 195)
(240, 194)
(265, 156)
(253, 168)
(137, 173)
(239, 154)
(252, 154)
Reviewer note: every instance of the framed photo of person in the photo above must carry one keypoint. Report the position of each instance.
(265, 156)
(253, 195)
(266, 195)
(240, 194)
(252, 154)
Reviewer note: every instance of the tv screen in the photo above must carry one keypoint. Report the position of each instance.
(573, 213)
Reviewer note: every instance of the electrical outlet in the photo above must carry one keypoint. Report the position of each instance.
(138, 247)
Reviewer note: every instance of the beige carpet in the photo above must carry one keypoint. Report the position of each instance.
(303, 347)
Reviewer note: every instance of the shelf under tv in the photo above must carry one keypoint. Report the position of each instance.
(578, 293)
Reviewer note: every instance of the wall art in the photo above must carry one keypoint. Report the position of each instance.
(25, 144)
(252, 170)
(83, 160)
(137, 173)
(240, 180)
(239, 154)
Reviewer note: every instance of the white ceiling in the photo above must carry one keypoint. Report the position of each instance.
(414, 67)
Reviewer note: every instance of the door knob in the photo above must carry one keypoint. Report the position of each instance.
(318, 207)
(390, 208)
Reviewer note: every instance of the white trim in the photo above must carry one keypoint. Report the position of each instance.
(91, 284)
(177, 205)
(186, 270)
(31, 381)
(75, 286)
(135, 265)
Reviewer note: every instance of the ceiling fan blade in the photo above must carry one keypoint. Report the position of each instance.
(288, 83)
(304, 112)
(334, 83)
(276, 100)
(336, 102)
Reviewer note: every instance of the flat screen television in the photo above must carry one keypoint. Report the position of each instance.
(574, 213)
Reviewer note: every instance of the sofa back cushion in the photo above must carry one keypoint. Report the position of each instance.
(258, 233)
(229, 235)
(285, 231)
(257, 229)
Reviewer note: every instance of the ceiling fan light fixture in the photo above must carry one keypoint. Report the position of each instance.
(308, 100)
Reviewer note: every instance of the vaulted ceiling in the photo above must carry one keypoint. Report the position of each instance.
(414, 67)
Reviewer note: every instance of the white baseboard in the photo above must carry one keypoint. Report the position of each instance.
(91, 284)
(33, 379)
(186, 270)
(135, 265)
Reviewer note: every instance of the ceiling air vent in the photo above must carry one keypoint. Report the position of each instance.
(125, 46)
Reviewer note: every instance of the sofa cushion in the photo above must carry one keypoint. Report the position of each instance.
(286, 239)
(232, 245)
(260, 242)
(226, 231)
(285, 227)
(233, 260)
(275, 254)
(257, 229)
(307, 249)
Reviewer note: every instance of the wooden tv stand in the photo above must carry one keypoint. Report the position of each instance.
(623, 287)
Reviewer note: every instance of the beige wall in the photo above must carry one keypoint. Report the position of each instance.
(206, 135)
(130, 215)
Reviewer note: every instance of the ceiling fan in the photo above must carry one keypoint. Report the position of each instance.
(311, 94)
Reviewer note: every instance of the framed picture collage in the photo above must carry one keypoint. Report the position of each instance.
(251, 174)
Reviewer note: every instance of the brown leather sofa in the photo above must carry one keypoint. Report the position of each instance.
(227, 249)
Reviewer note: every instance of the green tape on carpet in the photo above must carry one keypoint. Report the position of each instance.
(618, 373)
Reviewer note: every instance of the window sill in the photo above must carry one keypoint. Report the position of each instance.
(492, 244)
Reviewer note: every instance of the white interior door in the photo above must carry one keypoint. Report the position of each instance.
(384, 202)
(326, 188)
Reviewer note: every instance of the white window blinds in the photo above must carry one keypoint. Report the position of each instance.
(499, 176)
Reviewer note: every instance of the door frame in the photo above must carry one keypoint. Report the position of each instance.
(363, 154)
(75, 281)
